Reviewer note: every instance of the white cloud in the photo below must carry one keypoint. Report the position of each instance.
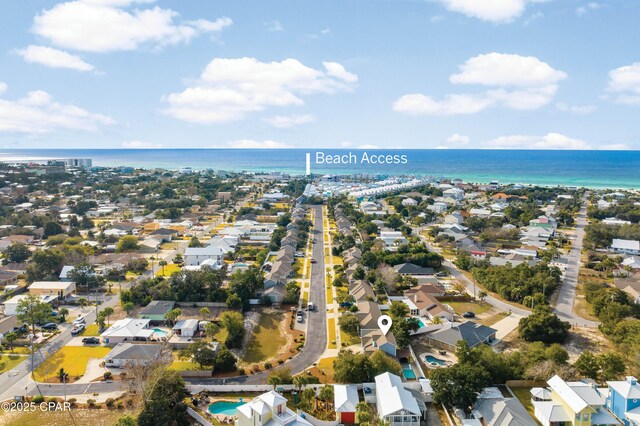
(229, 89)
(624, 84)
(458, 139)
(419, 104)
(576, 109)
(512, 81)
(502, 69)
(368, 146)
(37, 112)
(496, 11)
(548, 141)
(3, 87)
(53, 58)
(274, 26)
(254, 144)
(106, 25)
(346, 144)
(581, 10)
(141, 145)
(286, 121)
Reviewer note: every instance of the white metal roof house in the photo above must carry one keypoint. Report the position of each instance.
(194, 256)
(186, 328)
(625, 246)
(396, 404)
(576, 403)
(128, 329)
(268, 409)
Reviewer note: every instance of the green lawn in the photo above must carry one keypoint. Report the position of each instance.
(7, 362)
(524, 396)
(461, 307)
(72, 358)
(266, 341)
(91, 330)
(332, 333)
(94, 417)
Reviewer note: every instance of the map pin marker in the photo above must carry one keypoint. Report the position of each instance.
(384, 322)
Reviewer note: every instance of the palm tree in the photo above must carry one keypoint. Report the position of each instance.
(204, 312)
(107, 312)
(363, 413)
(63, 313)
(163, 264)
(173, 315)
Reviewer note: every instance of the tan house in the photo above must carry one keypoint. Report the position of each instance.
(60, 288)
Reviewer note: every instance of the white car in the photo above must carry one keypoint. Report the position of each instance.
(77, 328)
(79, 320)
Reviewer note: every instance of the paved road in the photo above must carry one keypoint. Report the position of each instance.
(567, 292)
(316, 338)
(14, 382)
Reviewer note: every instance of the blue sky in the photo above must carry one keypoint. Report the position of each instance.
(546, 74)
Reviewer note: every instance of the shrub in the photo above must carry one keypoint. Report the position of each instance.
(110, 402)
(241, 372)
(38, 399)
(119, 405)
(91, 402)
(107, 375)
(72, 401)
(280, 361)
(267, 365)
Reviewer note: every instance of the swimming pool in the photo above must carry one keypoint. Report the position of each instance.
(407, 372)
(433, 360)
(228, 408)
(420, 323)
(160, 332)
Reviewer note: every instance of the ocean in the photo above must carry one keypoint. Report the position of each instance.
(594, 169)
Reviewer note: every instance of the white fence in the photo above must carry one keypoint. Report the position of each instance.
(193, 413)
(317, 422)
(193, 389)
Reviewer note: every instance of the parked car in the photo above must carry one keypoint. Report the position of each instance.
(50, 326)
(346, 304)
(78, 328)
(313, 260)
(441, 274)
(79, 320)
(91, 341)
(311, 306)
(300, 319)
(468, 314)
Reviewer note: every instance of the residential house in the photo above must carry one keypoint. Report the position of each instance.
(127, 330)
(194, 256)
(345, 400)
(392, 239)
(455, 193)
(268, 409)
(573, 403)
(186, 328)
(11, 305)
(61, 289)
(623, 400)
(423, 304)
(480, 212)
(8, 277)
(412, 269)
(454, 218)
(450, 334)
(132, 354)
(374, 340)
(545, 222)
(156, 311)
(395, 404)
(7, 325)
(409, 202)
(493, 409)
(625, 246)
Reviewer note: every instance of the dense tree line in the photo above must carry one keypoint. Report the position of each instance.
(520, 283)
(599, 235)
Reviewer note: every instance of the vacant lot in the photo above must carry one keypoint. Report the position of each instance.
(79, 416)
(72, 358)
(461, 307)
(91, 330)
(267, 340)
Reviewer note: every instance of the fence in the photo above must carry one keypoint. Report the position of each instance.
(202, 304)
(525, 383)
(194, 373)
(317, 422)
(197, 417)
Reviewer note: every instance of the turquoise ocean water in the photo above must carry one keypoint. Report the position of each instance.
(612, 169)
